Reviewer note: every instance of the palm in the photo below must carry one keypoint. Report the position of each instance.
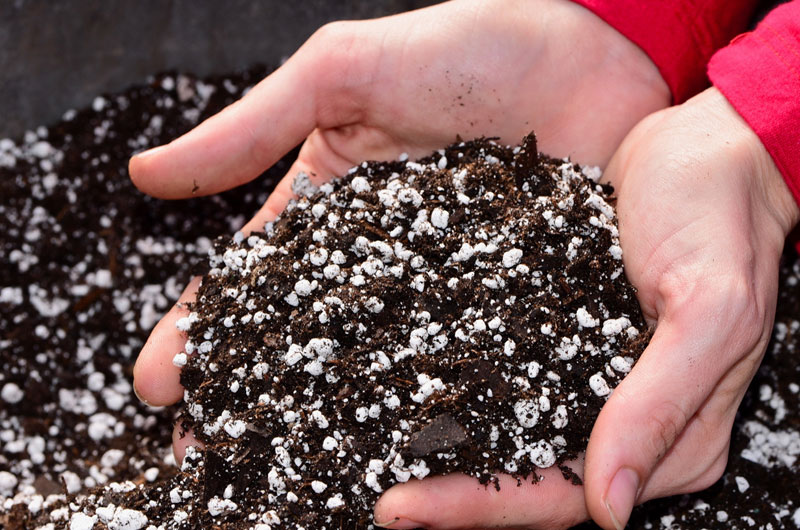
(413, 82)
(411, 93)
(714, 306)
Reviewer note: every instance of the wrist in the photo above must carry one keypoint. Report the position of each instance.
(592, 74)
(614, 54)
(770, 184)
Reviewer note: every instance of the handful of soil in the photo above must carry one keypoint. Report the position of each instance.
(467, 312)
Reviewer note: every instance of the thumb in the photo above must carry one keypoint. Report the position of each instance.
(312, 89)
(644, 416)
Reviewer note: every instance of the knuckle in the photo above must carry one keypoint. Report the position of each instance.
(732, 302)
(341, 56)
(673, 287)
(334, 39)
(744, 313)
(330, 31)
(652, 119)
(664, 424)
(327, 51)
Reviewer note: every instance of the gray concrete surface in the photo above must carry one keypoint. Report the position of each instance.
(58, 54)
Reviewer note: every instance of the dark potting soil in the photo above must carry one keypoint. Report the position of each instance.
(69, 333)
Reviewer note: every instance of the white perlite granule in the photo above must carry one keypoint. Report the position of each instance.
(7, 484)
(81, 521)
(11, 393)
(512, 257)
(771, 448)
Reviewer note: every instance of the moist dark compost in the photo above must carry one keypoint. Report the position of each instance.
(466, 312)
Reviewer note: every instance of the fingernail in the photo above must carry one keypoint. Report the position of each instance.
(149, 152)
(621, 496)
(399, 523)
(140, 398)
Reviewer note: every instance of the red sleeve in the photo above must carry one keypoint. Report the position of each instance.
(679, 36)
(759, 73)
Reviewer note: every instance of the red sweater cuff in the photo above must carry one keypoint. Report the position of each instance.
(679, 36)
(759, 73)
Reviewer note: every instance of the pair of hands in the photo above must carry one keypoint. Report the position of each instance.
(703, 215)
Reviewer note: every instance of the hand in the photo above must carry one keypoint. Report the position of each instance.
(703, 215)
(409, 83)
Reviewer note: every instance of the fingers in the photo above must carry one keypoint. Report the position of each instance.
(459, 501)
(236, 145)
(156, 380)
(646, 414)
(232, 147)
(700, 454)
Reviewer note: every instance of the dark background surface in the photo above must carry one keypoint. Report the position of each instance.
(58, 54)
